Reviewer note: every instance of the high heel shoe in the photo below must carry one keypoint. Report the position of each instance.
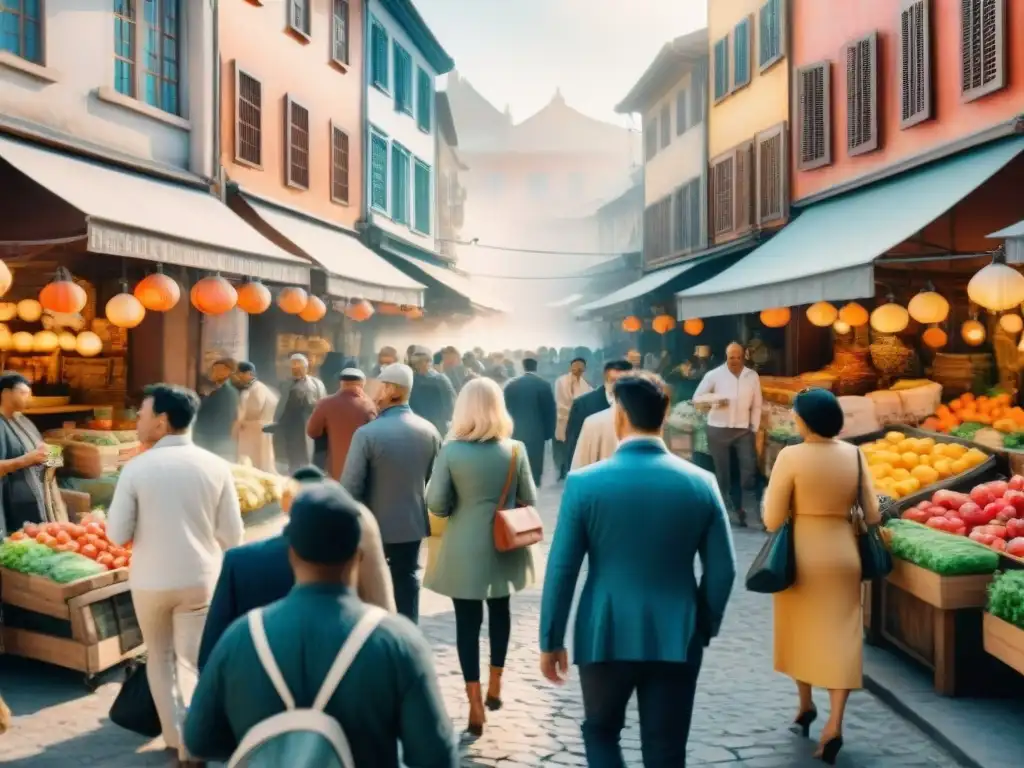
(477, 713)
(802, 724)
(830, 750)
(493, 701)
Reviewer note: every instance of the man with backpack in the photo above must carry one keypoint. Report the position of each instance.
(319, 678)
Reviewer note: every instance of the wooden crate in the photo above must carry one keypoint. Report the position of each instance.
(71, 654)
(1004, 641)
(44, 589)
(944, 592)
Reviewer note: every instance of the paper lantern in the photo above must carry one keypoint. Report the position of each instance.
(292, 300)
(822, 314)
(693, 327)
(88, 344)
(45, 341)
(391, 310)
(6, 340)
(214, 295)
(935, 338)
(776, 318)
(158, 292)
(359, 310)
(972, 332)
(254, 298)
(996, 287)
(890, 318)
(1012, 324)
(8, 311)
(6, 278)
(63, 295)
(841, 327)
(23, 341)
(66, 341)
(663, 324)
(314, 310)
(414, 313)
(632, 324)
(854, 315)
(30, 310)
(928, 307)
(125, 311)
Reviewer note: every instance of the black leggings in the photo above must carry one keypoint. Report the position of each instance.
(469, 618)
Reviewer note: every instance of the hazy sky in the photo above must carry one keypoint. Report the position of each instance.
(518, 51)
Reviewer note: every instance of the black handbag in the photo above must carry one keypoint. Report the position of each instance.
(134, 709)
(875, 558)
(774, 568)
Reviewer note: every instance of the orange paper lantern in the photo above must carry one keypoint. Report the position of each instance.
(391, 310)
(214, 295)
(663, 324)
(63, 295)
(972, 332)
(693, 327)
(854, 315)
(935, 338)
(414, 313)
(314, 310)
(632, 324)
(158, 292)
(359, 310)
(776, 318)
(125, 311)
(254, 298)
(293, 300)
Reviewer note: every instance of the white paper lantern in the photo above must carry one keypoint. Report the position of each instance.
(1012, 324)
(66, 341)
(890, 318)
(841, 327)
(8, 311)
(996, 287)
(45, 341)
(822, 314)
(6, 340)
(928, 307)
(23, 341)
(30, 310)
(973, 333)
(88, 344)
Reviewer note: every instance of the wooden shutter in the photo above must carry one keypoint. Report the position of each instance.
(339, 31)
(772, 165)
(723, 210)
(721, 69)
(296, 144)
(744, 187)
(915, 63)
(982, 47)
(679, 219)
(771, 34)
(248, 119)
(812, 108)
(862, 95)
(741, 53)
(339, 165)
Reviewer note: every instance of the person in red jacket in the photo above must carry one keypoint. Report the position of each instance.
(339, 416)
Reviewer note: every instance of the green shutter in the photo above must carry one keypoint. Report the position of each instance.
(379, 56)
(399, 184)
(741, 54)
(770, 27)
(379, 172)
(422, 184)
(403, 80)
(424, 100)
(721, 68)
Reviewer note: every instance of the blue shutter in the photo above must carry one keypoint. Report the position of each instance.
(722, 68)
(379, 56)
(741, 54)
(379, 172)
(770, 28)
(399, 184)
(424, 101)
(422, 184)
(403, 80)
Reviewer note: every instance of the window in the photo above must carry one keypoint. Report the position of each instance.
(158, 37)
(378, 172)
(379, 56)
(982, 47)
(657, 243)
(771, 29)
(538, 184)
(687, 223)
(862, 95)
(424, 100)
(721, 69)
(915, 63)
(743, 188)
(399, 184)
(651, 138)
(297, 144)
(403, 79)
(722, 199)
(21, 28)
(298, 16)
(339, 166)
(813, 113)
(248, 119)
(339, 32)
(698, 94)
(666, 126)
(741, 54)
(124, 46)
(772, 165)
(682, 111)
(421, 185)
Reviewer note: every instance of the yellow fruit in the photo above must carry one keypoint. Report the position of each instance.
(958, 466)
(974, 457)
(925, 460)
(925, 475)
(895, 437)
(909, 459)
(943, 467)
(868, 449)
(925, 444)
(908, 486)
(879, 471)
(890, 457)
(906, 446)
(899, 473)
(955, 450)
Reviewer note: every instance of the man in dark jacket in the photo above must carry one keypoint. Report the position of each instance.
(592, 402)
(433, 396)
(531, 403)
(218, 413)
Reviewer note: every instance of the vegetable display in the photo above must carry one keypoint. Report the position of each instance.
(1006, 597)
(88, 538)
(35, 559)
(255, 489)
(938, 552)
(989, 419)
(901, 465)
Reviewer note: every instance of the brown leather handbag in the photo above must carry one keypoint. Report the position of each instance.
(519, 527)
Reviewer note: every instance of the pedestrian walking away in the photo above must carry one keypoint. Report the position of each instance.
(531, 404)
(387, 469)
(338, 416)
(631, 636)
(593, 402)
(471, 481)
(292, 446)
(216, 424)
(433, 396)
(567, 388)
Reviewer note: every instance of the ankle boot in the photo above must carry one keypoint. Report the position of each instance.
(493, 701)
(477, 714)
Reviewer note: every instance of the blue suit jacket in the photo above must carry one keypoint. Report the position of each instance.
(251, 576)
(642, 517)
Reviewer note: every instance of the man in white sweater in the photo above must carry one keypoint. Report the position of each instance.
(177, 504)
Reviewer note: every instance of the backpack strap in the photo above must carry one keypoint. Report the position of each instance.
(349, 650)
(266, 656)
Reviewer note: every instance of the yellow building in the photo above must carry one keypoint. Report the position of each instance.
(748, 140)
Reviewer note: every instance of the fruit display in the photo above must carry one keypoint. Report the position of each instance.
(254, 487)
(34, 559)
(1006, 597)
(938, 552)
(901, 466)
(967, 416)
(88, 538)
(992, 514)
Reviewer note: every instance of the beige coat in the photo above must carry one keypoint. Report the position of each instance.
(567, 389)
(598, 440)
(256, 406)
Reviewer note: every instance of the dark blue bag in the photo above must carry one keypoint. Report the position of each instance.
(774, 568)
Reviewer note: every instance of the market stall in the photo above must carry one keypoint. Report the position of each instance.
(1004, 620)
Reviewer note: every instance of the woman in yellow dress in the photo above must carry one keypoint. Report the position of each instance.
(818, 623)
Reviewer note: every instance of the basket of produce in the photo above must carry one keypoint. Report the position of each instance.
(92, 454)
(962, 373)
(87, 538)
(255, 488)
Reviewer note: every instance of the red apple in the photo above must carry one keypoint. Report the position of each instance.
(1016, 483)
(998, 488)
(1016, 547)
(982, 496)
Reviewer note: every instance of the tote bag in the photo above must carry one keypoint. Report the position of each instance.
(774, 568)
(134, 709)
(875, 558)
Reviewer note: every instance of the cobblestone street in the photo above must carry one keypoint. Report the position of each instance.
(740, 720)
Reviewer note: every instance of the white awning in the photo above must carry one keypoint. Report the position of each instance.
(454, 281)
(140, 217)
(353, 270)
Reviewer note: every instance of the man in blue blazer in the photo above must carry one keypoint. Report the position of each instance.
(643, 619)
(530, 401)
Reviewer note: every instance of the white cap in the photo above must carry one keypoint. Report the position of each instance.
(398, 374)
(352, 374)
(299, 358)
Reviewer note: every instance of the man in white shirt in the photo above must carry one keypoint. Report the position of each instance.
(733, 392)
(567, 388)
(177, 504)
(598, 440)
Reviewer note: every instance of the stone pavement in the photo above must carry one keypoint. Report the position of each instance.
(740, 720)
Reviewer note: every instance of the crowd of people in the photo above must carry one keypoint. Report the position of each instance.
(302, 649)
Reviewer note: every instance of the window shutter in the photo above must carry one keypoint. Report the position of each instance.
(424, 100)
(696, 217)
(982, 47)
(682, 105)
(678, 219)
(722, 68)
(339, 31)
(379, 172)
(296, 144)
(772, 168)
(915, 63)
(666, 126)
(421, 184)
(741, 54)
(862, 95)
(651, 138)
(248, 118)
(379, 56)
(399, 185)
(743, 187)
(723, 207)
(771, 32)
(339, 165)
(813, 112)
(698, 93)
(403, 79)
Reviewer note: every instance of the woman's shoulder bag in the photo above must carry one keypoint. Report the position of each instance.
(519, 527)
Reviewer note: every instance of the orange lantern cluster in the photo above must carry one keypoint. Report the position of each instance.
(157, 292)
(693, 327)
(254, 298)
(214, 295)
(292, 300)
(314, 310)
(63, 295)
(663, 324)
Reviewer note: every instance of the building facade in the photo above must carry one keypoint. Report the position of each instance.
(450, 193)
(748, 120)
(620, 220)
